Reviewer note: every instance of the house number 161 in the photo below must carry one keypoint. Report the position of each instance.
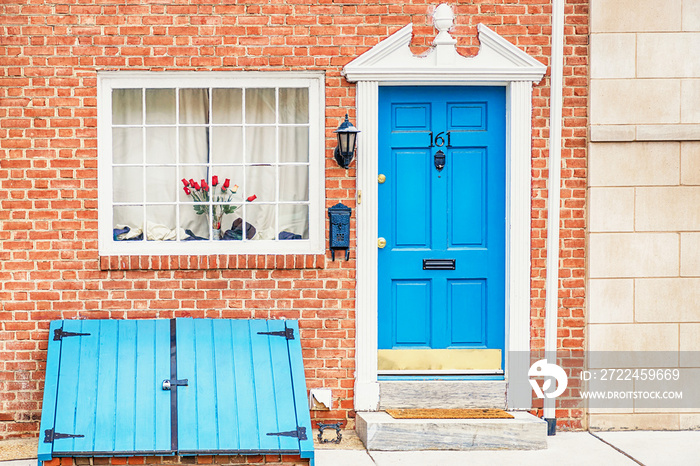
(439, 140)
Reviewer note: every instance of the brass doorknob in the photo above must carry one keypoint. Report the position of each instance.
(381, 178)
(381, 242)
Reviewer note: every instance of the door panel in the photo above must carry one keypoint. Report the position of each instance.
(470, 116)
(456, 213)
(413, 298)
(467, 198)
(467, 307)
(415, 116)
(411, 199)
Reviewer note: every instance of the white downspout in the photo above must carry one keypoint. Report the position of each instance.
(554, 200)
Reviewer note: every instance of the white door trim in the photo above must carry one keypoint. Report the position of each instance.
(391, 62)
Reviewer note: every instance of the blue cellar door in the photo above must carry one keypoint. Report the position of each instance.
(454, 214)
(103, 395)
(246, 391)
(182, 386)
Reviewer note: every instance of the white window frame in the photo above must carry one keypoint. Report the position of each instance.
(314, 81)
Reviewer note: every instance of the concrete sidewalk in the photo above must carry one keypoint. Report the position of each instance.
(648, 448)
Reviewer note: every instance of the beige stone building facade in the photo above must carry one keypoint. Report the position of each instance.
(644, 188)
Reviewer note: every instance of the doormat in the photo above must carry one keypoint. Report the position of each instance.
(448, 414)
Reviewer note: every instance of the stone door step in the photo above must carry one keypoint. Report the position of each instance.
(379, 431)
(442, 394)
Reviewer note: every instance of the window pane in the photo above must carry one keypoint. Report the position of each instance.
(262, 218)
(160, 106)
(260, 144)
(227, 144)
(235, 190)
(190, 173)
(127, 184)
(160, 145)
(127, 107)
(232, 226)
(294, 221)
(294, 105)
(227, 220)
(260, 106)
(128, 223)
(160, 223)
(194, 227)
(227, 106)
(260, 182)
(127, 145)
(194, 144)
(294, 183)
(161, 184)
(194, 106)
(294, 144)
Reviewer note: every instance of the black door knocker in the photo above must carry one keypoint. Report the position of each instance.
(439, 160)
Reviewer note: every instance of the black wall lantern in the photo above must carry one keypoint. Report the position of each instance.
(347, 137)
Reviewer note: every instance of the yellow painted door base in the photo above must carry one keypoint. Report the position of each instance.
(485, 361)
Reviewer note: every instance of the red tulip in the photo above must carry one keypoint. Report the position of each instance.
(252, 198)
(184, 181)
(225, 185)
(205, 186)
(187, 190)
(195, 185)
(191, 182)
(214, 180)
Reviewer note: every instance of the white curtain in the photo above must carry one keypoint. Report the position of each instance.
(172, 153)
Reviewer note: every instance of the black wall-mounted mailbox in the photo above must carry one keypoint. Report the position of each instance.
(339, 238)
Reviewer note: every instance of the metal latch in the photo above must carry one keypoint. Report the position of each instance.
(288, 333)
(58, 334)
(50, 436)
(168, 384)
(299, 433)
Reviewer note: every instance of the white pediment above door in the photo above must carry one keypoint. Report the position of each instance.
(391, 60)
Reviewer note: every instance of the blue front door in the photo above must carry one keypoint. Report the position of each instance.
(442, 271)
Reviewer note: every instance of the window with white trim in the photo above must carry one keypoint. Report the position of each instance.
(210, 163)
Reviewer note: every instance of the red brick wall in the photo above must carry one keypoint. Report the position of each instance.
(49, 264)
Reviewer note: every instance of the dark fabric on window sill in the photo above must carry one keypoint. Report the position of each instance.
(120, 231)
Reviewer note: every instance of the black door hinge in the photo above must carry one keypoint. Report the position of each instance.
(58, 334)
(300, 433)
(288, 333)
(50, 436)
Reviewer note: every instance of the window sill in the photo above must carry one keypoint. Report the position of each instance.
(212, 262)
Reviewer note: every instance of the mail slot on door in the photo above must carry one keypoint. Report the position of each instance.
(439, 264)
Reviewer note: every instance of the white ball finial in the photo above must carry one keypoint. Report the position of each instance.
(444, 19)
